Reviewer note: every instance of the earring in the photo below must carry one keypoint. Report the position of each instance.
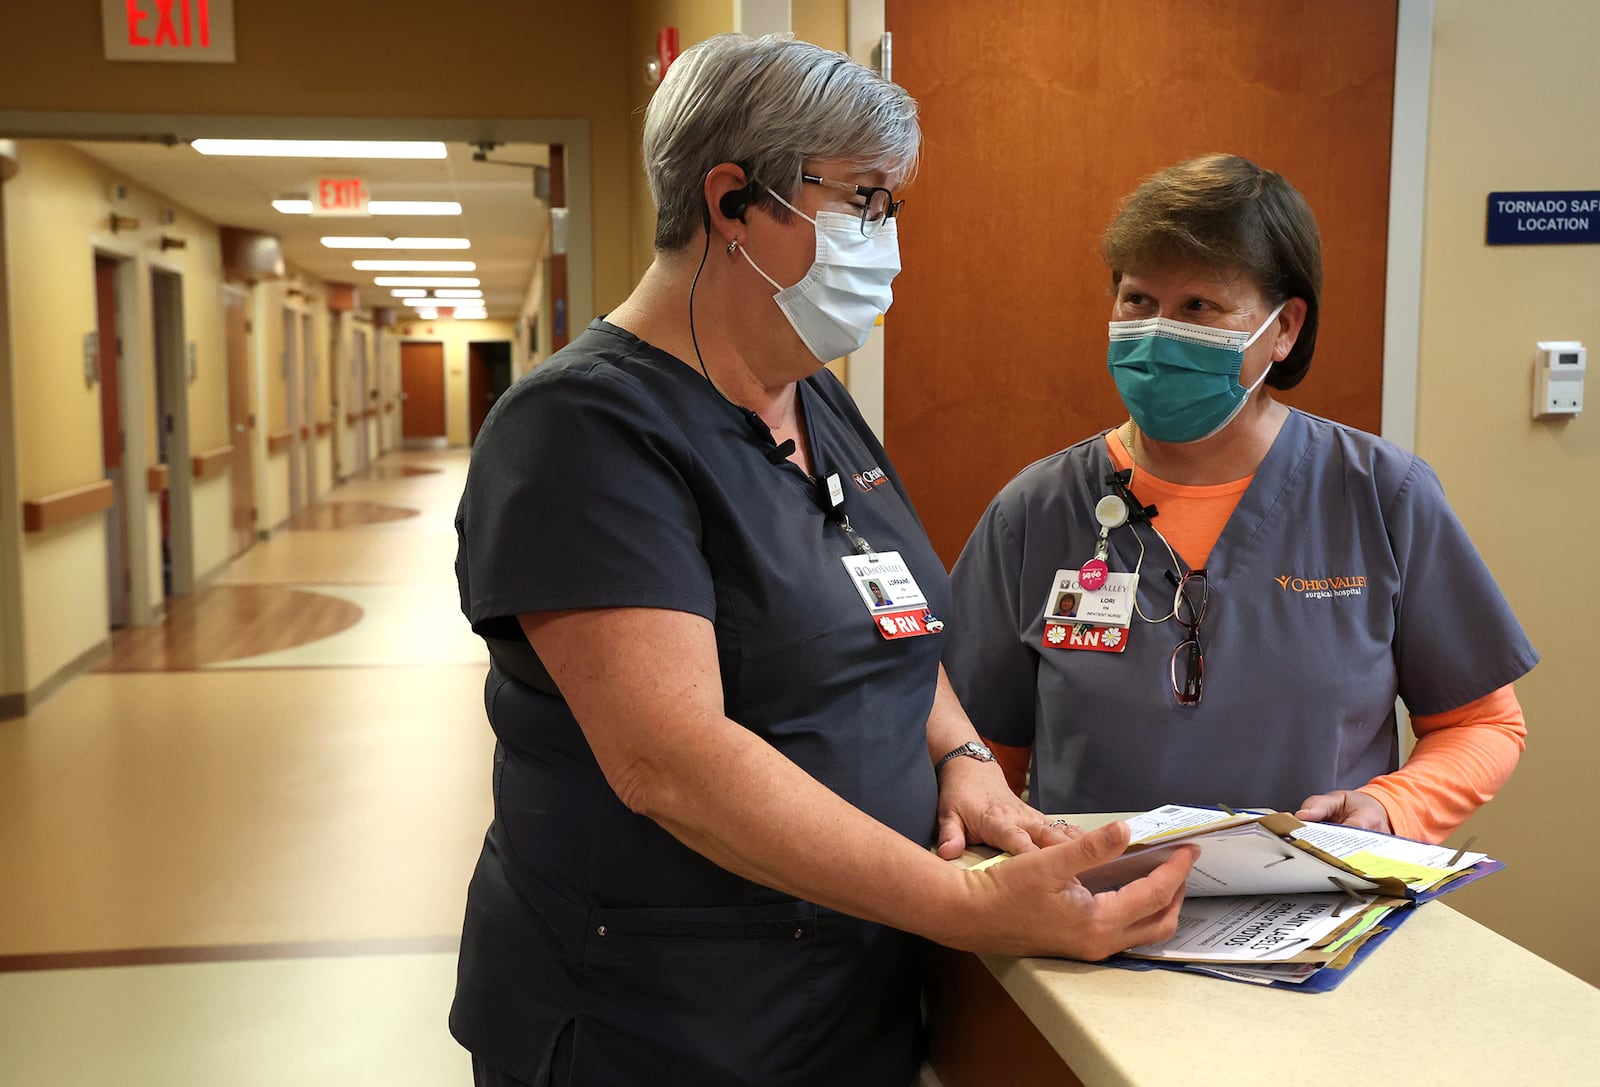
(733, 245)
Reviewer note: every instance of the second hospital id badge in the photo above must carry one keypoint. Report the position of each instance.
(891, 594)
(1094, 619)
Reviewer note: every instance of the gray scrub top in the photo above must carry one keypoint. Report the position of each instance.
(614, 475)
(1341, 579)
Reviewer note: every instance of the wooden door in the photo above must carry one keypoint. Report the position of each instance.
(236, 323)
(422, 389)
(1038, 117)
(477, 389)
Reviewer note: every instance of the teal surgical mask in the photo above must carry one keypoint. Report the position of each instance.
(1180, 382)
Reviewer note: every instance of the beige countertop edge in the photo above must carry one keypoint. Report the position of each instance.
(1444, 998)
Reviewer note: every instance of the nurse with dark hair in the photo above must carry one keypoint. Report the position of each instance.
(1294, 575)
(726, 791)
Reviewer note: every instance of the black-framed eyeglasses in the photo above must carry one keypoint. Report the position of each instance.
(880, 206)
(1188, 664)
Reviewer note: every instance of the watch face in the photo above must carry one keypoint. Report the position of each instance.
(981, 750)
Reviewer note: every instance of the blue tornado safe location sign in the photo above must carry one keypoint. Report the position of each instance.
(1544, 218)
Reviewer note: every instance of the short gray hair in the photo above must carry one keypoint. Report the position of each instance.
(767, 104)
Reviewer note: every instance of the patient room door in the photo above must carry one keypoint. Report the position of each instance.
(1037, 118)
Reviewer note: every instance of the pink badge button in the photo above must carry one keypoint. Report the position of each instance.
(1093, 575)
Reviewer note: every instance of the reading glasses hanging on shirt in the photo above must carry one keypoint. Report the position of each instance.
(1187, 665)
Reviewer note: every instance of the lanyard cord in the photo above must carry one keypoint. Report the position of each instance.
(1148, 519)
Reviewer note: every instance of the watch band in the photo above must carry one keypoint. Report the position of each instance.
(972, 749)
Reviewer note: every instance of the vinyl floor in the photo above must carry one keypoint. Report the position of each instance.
(237, 853)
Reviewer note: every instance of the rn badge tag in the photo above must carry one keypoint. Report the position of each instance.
(891, 595)
(1066, 635)
(1078, 617)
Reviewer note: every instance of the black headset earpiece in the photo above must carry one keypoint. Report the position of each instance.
(733, 203)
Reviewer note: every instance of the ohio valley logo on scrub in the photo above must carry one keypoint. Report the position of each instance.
(1322, 588)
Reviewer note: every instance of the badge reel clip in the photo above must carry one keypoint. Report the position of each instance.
(1111, 512)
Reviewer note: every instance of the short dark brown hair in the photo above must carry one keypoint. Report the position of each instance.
(1226, 213)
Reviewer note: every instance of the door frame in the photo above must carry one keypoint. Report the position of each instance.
(134, 377)
(171, 366)
(239, 430)
(13, 665)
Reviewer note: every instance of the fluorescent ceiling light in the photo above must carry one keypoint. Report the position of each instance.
(414, 207)
(397, 243)
(323, 149)
(470, 315)
(380, 207)
(409, 292)
(428, 314)
(426, 281)
(414, 265)
(448, 293)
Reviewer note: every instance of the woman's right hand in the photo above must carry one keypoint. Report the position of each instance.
(1033, 904)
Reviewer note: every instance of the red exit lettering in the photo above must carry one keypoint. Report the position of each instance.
(339, 194)
(176, 22)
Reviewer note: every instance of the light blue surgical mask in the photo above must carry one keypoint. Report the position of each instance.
(1180, 382)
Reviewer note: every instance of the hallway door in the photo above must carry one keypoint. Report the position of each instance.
(172, 432)
(1037, 119)
(108, 334)
(308, 405)
(292, 382)
(422, 417)
(359, 398)
(236, 326)
(488, 375)
(335, 402)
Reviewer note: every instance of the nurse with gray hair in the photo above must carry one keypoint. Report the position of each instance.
(728, 775)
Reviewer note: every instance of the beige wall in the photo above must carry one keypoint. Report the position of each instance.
(456, 335)
(58, 211)
(696, 21)
(1513, 107)
(821, 22)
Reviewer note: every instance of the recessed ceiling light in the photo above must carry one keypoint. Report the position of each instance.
(396, 243)
(414, 207)
(409, 292)
(426, 281)
(414, 265)
(323, 149)
(380, 207)
(428, 314)
(447, 293)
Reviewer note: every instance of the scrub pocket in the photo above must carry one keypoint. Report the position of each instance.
(710, 996)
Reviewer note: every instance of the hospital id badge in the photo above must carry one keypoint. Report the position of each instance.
(897, 606)
(1093, 619)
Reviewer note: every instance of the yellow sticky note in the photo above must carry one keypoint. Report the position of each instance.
(1371, 864)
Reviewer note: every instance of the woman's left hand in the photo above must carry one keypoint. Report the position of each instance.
(1348, 807)
(976, 806)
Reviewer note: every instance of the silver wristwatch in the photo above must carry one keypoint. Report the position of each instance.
(972, 749)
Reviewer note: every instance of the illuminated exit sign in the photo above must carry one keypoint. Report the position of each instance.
(338, 196)
(180, 30)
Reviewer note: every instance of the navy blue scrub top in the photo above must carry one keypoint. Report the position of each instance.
(614, 475)
(1342, 579)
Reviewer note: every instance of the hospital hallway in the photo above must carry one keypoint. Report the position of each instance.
(236, 852)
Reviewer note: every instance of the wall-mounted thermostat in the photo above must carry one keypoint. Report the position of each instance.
(1558, 378)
